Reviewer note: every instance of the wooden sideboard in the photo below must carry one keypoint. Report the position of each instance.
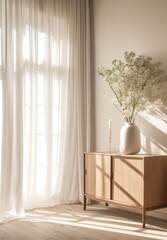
(136, 181)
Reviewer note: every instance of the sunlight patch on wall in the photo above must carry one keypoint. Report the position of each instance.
(153, 134)
(0, 47)
(156, 119)
(0, 120)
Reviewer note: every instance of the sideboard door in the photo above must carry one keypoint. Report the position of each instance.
(98, 175)
(128, 180)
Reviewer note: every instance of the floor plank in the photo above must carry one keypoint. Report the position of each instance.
(70, 222)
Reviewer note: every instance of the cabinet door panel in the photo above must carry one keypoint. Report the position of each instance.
(128, 180)
(155, 181)
(98, 175)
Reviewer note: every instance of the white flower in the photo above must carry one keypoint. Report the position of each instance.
(134, 82)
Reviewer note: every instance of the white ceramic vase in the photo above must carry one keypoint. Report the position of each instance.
(130, 141)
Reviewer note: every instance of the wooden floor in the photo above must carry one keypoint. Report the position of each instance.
(70, 222)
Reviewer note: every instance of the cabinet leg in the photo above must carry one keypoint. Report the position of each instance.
(84, 203)
(143, 218)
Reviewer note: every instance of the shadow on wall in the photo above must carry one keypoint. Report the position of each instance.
(161, 111)
(153, 126)
(153, 139)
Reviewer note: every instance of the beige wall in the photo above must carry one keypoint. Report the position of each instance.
(128, 25)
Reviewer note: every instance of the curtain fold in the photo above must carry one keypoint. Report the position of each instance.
(78, 103)
(11, 204)
(45, 76)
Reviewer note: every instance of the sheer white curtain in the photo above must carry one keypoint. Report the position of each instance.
(11, 204)
(45, 76)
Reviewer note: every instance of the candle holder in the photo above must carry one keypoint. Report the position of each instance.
(109, 134)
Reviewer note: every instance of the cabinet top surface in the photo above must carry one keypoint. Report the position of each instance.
(139, 155)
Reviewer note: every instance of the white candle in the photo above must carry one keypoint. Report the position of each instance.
(109, 130)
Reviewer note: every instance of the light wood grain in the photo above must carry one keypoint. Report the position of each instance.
(98, 175)
(128, 184)
(155, 181)
(70, 222)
